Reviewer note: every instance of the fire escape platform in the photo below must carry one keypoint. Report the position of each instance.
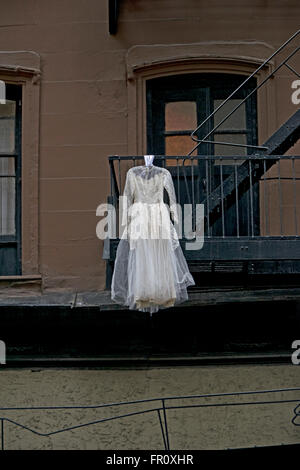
(198, 297)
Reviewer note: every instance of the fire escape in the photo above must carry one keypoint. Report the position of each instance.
(264, 246)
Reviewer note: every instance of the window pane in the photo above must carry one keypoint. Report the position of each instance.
(179, 145)
(7, 126)
(180, 116)
(7, 206)
(7, 166)
(236, 121)
(228, 149)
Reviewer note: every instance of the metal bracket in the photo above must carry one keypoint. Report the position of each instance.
(113, 12)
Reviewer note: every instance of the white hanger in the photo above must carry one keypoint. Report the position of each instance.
(148, 159)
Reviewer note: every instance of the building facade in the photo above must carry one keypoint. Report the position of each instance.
(84, 84)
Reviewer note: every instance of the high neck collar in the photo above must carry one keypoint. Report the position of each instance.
(148, 160)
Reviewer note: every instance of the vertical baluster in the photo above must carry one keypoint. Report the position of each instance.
(178, 181)
(178, 195)
(236, 201)
(280, 197)
(162, 430)
(207, 196)
(295, 197)
(222, 198)
(166, 425)
(251, 197)
(120, 193)
(193, 196)
(111, 181)
(119, 171)
(266, 199)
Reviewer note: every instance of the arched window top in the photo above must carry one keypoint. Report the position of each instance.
(209, 56)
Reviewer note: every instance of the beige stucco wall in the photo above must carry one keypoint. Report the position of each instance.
(206, 428)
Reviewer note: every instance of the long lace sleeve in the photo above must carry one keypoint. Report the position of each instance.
(127, 199)
(169, 186)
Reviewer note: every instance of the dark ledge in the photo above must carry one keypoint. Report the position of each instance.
(86, 329)
(197, 297)
(142, 362)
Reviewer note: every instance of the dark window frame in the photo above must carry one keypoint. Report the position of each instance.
(203, 88)
(10, 245)
(187, 86)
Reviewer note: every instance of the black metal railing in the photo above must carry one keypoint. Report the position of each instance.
(158, 406)
(246, 213)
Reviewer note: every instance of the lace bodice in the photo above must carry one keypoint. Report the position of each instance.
(146, 184)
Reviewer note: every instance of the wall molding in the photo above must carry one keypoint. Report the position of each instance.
(143, 56)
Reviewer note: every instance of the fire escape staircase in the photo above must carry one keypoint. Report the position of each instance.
(278, 144)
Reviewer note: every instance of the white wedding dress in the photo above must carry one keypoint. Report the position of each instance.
(150, 271)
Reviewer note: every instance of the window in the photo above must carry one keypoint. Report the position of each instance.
(10, 181)
(176, 105)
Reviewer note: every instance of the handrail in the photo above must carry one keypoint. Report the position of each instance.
(237, 89)
(161, 410)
